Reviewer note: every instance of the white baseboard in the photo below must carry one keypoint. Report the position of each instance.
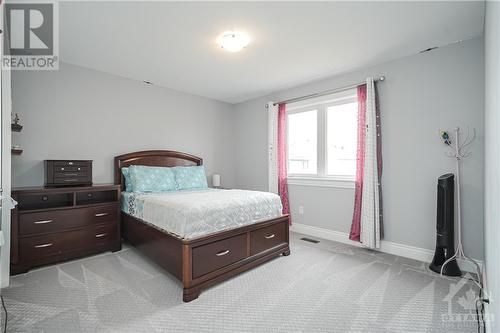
(397, 249)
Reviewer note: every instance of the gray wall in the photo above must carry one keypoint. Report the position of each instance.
(77, 113)
(423, 93)
(81, 113)
(492, 161)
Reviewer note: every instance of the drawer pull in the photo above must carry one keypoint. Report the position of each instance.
(43, 245)
(269, 236)
(100, 235)
(43, 222)
(71, 174)
(101, 214)
(70, 180)
(222, 253)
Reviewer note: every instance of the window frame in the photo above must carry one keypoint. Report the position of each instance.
(321, 105)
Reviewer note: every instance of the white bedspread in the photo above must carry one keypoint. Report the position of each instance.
(191, 214)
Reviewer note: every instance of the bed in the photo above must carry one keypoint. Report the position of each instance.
(207, 240)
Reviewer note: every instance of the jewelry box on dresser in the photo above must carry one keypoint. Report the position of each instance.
(67, 172)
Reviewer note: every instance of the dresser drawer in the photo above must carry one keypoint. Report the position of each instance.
(57, 220)
(106, 233)
(50, 221)
(69, 168)
(102, 214)
(210, 257)
(37, 247)
(33, 248)
(67, 163)
(267, 238)
(70, 180)
(69, 174)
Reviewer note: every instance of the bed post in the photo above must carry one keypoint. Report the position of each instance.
(188, 293)
(287, 250)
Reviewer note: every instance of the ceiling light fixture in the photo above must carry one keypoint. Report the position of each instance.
(233, 41)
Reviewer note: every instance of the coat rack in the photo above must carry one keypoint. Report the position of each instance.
(459, 152)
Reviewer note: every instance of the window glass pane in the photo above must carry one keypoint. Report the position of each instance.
(302, 142)
(342, 137)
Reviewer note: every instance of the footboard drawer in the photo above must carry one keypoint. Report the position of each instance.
(267, 238)
(210, 257)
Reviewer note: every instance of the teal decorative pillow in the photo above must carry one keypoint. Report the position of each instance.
(128, 181)
(152, 179)
(190, 177)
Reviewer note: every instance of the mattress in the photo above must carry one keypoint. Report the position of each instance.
(194, 213)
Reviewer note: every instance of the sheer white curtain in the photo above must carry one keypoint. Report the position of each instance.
(370, 206)
(272, 146)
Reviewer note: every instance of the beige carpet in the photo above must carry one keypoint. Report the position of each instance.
(325, 287)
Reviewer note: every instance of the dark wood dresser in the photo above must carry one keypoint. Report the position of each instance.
(50, 225)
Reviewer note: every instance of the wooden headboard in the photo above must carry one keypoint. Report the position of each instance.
(163, 158)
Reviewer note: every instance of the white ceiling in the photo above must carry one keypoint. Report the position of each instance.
(172, 44)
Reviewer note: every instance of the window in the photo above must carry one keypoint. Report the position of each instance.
(302, 142)
(322, 137)
(341, 139)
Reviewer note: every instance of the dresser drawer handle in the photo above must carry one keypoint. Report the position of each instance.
(70, 180)
(43, 222)
(222, 253)
(101, 235)
(101, 214)
(71, 174)
(269, 236)
(43, 245)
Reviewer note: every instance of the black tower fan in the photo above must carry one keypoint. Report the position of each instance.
(445, 224)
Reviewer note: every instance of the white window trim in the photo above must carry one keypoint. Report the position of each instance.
(335, 182)
(321, 179)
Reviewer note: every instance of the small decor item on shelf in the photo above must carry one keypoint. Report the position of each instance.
(16, 127)
(16, 119)
(16, 150)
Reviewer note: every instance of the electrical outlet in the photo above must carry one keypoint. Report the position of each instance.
(301, 210)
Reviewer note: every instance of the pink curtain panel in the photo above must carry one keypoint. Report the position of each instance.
(282, 168)
(360, 162)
